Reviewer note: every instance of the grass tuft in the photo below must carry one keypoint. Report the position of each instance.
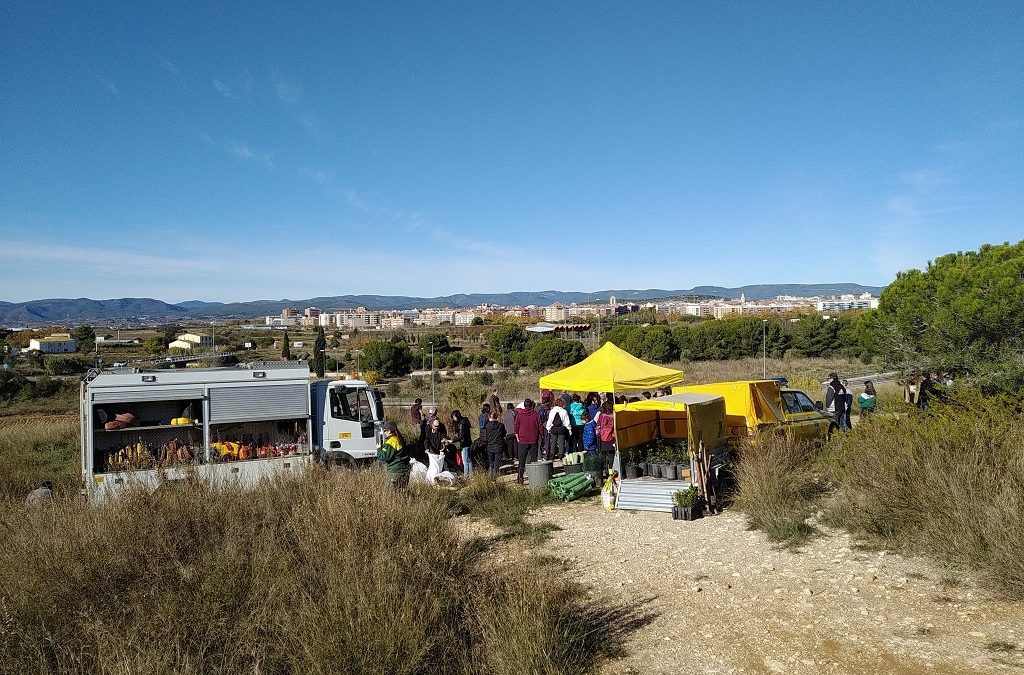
(776, 484)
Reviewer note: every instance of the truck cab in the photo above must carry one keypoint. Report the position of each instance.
(348, 416)
(804, 420)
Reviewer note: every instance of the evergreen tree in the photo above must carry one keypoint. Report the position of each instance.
(320, 352)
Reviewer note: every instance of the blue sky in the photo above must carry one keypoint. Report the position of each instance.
(289, 150)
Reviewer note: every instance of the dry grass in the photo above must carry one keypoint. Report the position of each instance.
(37, 448)
(949, 483)
(776, 484)
(331, 573)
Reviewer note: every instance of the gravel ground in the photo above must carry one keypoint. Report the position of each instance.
(725, 600)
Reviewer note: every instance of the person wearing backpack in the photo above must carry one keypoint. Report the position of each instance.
(559, 429)
(606, 427)
(576, 411)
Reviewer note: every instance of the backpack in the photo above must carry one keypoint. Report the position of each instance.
(558, 426)
(606, 427)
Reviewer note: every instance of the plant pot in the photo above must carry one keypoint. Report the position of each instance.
(645, 468)
(686, 512)
(683, 471)
(655, 470)
(668, 471)
(573, 468)
(632, 472)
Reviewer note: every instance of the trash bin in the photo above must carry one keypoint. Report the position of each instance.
(539, 473)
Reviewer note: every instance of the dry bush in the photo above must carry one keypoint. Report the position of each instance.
(330, 573)
(949, 483)
(776, 484)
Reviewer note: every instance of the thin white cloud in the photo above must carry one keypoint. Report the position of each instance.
(223, 89)
(292, 96)
(243, 151)
(168, 66)
(110, 86)
(316, 175)
(288, 91)
(925, 180)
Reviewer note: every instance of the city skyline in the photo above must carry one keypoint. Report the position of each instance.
(248, 151)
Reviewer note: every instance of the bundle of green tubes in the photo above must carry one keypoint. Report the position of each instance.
(568, 488)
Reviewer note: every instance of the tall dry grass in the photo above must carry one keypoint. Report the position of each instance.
(777, 480)
(334, 573)
(948, 483)
(34, 448)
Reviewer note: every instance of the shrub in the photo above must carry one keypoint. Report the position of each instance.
(949, 482)
(775, 484)
(464, 395)
(67, 365)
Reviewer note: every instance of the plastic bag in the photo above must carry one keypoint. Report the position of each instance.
(609, 492)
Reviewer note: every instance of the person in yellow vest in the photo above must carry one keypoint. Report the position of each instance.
(393, 454)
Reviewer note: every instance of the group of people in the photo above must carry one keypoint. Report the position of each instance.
(555, 426)
(521, 433)
(839, 400)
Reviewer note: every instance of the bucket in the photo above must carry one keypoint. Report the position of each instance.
(539, 473)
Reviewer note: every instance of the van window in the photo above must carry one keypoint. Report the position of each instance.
(789, 400)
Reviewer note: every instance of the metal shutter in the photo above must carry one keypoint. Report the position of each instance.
(146, 394)
(259, 402)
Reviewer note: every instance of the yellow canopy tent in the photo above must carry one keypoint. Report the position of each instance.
(611, 369)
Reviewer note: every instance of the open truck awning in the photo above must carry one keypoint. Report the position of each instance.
(759, 401)
(611, 369)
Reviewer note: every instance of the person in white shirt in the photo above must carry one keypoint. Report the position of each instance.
(559, 429)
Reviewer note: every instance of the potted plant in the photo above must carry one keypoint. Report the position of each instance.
(688, 504)
(682, 461)
(654, 463)
(668, 470)
(642, 465)
(631, 468)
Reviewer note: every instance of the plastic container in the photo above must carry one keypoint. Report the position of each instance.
(539, 473)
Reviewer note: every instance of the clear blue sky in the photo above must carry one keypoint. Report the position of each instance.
(225, 151)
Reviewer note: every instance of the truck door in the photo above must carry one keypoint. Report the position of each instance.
(350, 427)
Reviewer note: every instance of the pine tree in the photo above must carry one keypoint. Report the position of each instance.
(320, 352)
(286, 349)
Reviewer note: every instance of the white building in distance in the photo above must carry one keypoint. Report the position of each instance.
(58, 343)
(190, 341)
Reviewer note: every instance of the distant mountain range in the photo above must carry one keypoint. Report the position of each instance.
(79, 310)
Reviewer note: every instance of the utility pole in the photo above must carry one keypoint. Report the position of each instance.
(433, 398)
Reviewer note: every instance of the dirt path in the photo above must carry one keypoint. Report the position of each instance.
(727, 601)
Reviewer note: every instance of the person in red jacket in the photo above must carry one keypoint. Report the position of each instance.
(527, 429)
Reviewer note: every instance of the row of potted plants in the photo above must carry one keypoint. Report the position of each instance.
(663, 460)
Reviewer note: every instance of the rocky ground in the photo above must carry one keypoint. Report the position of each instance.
(719, 598)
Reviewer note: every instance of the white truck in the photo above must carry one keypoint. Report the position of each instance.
(223, 425)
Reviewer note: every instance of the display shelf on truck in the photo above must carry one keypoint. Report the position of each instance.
(222, 425)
